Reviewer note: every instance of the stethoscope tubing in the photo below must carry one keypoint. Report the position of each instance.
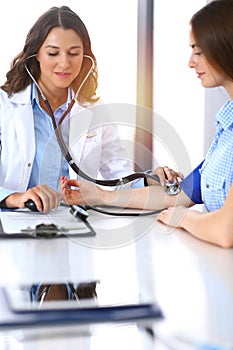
(72, 163)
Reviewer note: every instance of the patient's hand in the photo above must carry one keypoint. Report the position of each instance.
(173, 216)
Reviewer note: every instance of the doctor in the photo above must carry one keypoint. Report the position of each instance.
(56, 62)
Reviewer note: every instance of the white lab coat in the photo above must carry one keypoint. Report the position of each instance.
(93, 141)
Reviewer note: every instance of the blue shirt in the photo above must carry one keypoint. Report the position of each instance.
(49, 164)
(215, 176)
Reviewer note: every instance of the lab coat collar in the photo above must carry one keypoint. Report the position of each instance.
(22, 97)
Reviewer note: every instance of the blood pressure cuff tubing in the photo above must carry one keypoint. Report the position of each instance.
(191, 185)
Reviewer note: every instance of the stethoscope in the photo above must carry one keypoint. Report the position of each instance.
(68, 157)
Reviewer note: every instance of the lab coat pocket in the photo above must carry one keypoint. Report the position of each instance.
(92, 153)
(92, 135)
(93, 145)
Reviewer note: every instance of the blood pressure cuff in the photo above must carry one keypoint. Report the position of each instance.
(191, 185)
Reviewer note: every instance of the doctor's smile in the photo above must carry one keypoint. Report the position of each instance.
(62, 75)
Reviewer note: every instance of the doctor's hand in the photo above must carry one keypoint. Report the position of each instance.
(165, 173)
(85, 193)
(45, 198)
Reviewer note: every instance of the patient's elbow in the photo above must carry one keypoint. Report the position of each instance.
(226, 243)
(226, 236)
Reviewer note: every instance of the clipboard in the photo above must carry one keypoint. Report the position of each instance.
(18, 312)
(62, 222)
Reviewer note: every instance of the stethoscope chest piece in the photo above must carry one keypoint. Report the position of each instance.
(172, 188)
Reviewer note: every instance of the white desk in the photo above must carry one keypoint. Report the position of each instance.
(192, 281)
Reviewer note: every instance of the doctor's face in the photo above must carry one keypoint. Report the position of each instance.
(60, 58)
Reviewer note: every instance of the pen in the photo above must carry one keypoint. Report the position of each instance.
(175, 342)
(204, 346)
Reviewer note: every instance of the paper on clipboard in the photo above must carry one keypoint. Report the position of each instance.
(15, 221)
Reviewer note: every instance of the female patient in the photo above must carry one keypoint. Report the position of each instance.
(211, 42)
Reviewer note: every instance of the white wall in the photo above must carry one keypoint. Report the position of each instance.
(112, 26)
(178, 96)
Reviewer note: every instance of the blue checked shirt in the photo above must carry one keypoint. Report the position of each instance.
(210, 182)
(217, 170)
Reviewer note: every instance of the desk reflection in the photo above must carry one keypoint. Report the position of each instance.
(63, 291)
(52, 295)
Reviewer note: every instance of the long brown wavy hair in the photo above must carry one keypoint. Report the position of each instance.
(17, 78)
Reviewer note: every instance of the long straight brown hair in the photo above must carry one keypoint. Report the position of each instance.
(212, 28)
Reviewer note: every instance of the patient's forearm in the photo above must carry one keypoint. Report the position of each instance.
(214, 227)
(151, 198)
